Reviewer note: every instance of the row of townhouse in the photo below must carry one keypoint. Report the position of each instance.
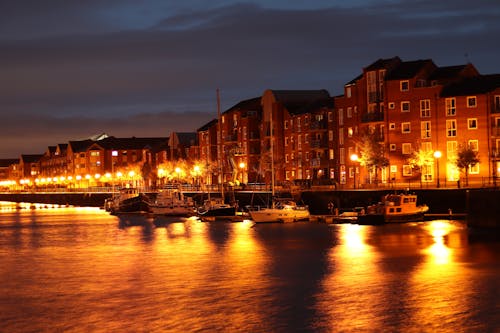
(406, 106)
(98, 161)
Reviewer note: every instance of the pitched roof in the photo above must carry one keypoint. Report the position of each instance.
(207, 125)
(6, 162)
(252, 104)
(408, 69)
(132, 143)
(383, 64)
(471, 86)
(303, 101)
(31, 158)
(187, 138)
(447, 72)
(80, 146)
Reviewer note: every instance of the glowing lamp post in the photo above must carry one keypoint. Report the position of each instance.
(242, 166)
(437, 156)
(354, 159)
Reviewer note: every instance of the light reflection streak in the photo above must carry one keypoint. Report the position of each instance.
(444, 293)
(350, 296)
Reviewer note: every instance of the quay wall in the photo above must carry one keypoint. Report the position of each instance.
(482, 206)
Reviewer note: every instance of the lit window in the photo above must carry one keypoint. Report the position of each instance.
(406, 148)
(425, 127)
(404, 85)
(471, 102)
(451, 108)
(451, 128)
(425, 108)
(406, 170)
(405, 106)
(405, 128)
(472, 123)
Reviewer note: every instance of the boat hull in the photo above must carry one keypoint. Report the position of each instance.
(131, 205)
(381, 218)
(272, 215)
(217, 212)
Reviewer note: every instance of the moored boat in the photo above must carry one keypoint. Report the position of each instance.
(282, 211)
(172, 202)
(394, 208)
(127, 200)
(216, 208)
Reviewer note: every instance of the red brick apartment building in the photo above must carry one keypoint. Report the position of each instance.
(416, 105)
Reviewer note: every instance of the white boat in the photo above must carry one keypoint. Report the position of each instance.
(394, 208)
(282, 211)
(172, 202)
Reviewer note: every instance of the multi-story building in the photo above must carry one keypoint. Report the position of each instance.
(300, 135)
(240, 146)
(410, 107)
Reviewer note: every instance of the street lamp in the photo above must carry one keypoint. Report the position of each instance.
(437, 156)
(242, 166)
(354, 159)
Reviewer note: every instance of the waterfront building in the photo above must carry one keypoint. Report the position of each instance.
(415, 107)
(207, 141)
(9, 170)
(29, 167)
(300, 127)
(239, 151)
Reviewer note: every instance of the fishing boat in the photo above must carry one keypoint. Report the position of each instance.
(172, 202)
(127, 200)
(394, 208)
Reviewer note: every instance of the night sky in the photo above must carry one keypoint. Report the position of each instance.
(73, 69)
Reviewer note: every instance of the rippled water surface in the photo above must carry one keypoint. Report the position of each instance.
(67, 269)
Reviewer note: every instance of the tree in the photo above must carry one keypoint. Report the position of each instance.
(467, 157)
(419, 159)
(372, 154)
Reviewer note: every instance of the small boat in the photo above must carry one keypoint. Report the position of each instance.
(394, 208)
(281, 211)
(216, 208)
(172, 202)
(128, 200)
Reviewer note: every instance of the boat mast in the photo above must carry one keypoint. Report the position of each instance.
(219, 147)
(272, 157)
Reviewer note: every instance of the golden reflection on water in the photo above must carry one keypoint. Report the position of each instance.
(350, 297)
(442, 287)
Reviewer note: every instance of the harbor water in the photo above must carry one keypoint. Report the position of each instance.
(68, 269)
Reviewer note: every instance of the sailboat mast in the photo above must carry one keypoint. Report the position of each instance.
(219, 146)
(272, 155)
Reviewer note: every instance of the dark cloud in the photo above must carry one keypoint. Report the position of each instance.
(104, 62)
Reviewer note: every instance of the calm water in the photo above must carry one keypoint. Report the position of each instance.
(81, 270)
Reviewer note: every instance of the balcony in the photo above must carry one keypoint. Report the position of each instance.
(495, 109)
(230, 138)
(318, 143)
(372, 117)
(315, 125)
(495, 130)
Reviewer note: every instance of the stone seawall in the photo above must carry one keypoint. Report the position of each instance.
(75, 199)
(482, 206)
